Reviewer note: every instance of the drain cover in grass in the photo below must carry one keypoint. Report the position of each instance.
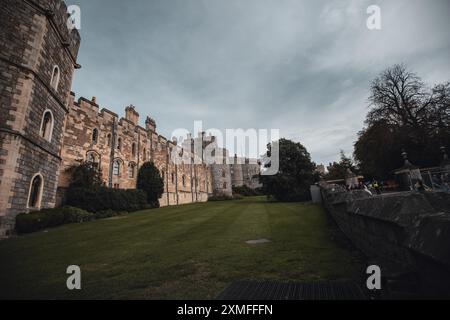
(259, 241)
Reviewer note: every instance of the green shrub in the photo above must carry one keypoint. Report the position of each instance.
(151, 182)
(246, 191)
(220, 197)
(102, 199)
(48, 218)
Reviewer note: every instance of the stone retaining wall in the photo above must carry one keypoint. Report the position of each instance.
(403, 233)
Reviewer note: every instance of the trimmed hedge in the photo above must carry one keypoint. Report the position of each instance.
(106, 199)
(48, 218)
(246, 191)
(223, 197)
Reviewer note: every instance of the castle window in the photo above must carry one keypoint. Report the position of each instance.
(35, 194)
(54, 82)
(173, 177)
(108, 137)
(119, 144)
(131, 170)
(184, 180)
(92, 159)
(94, 136)
(47, 125)
(145, 154)
(116, 168)
(224, 185)
(133, 149)
(223, 173)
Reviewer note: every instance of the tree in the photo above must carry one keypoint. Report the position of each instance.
(295, 175)
(149, 180)
(85, 175)
(404, 114)
(338, 170)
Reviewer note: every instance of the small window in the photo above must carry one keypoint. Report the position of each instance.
(133, 149)
(116, 168)
(184, 180)
(224, 185)
(145, 154)
(131, 170)
(92, 159)
(54, 82)
(119, 143)
(94, 136)
(35, 194)
(108, 137)
(173, 177)
(47, 125)
(223, 173)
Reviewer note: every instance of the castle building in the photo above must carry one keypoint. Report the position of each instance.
(38, 56)
(44, 130)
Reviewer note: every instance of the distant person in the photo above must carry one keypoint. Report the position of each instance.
(365, 189)
(419, 186)
(376, 187)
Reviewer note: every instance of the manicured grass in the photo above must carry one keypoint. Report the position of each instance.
(185, 252)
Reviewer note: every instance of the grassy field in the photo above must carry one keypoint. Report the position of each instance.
(186, 252)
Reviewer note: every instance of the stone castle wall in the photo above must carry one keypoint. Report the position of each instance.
(124, 141)
(34, 39)
(404, 233)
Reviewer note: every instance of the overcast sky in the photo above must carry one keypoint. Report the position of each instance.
(301, 66)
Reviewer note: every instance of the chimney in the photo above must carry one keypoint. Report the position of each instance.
(94, 100)
(150, 124)
(131, 114)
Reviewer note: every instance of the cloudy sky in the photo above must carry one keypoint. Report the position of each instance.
(301, 66)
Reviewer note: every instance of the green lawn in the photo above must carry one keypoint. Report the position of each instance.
(192, 251)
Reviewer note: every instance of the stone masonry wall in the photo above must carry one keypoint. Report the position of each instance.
(403, 232)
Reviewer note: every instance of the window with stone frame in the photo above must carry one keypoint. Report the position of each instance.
(109, 139)
(133, 149)
(184, 180)
(224, 185)
(54, 81)
(131, 170)
(116, 168)
(95, 136)
(172, 177)
(35, 193)
(46, 130)
(119, 144)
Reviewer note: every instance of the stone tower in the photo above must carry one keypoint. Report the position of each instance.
(37, 60)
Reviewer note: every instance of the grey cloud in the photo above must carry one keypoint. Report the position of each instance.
(301, 66)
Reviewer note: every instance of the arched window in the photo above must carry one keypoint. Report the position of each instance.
(93, 158)
(47, 125)
(133, 149)
(94, 136)
(173, 177)
(35, 193)
(116, 168)
(119, 143)
(145, 154)
(131, 170)
(184, 180)
(108, 137)
(54, 82)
